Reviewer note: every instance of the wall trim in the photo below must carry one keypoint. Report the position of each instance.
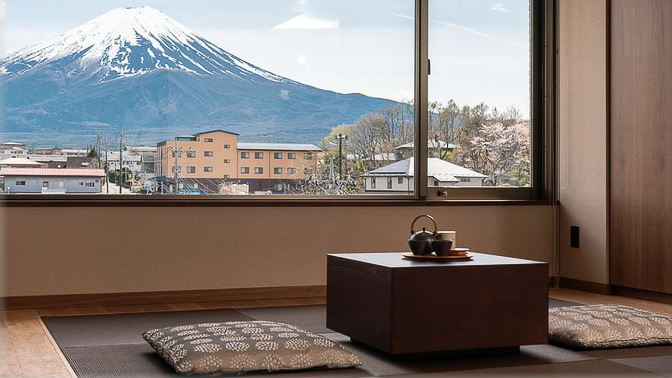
(646, 295)
(591, 287)
(163, 297)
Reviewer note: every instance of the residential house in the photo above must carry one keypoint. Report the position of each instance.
(12, 149)
(398, 177)
(48, 151)
(433, 145)
(52, 180)
(20, 162)
(51, 161)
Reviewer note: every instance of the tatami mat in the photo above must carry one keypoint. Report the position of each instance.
(111, 346)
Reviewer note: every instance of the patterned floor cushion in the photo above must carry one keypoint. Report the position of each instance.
(607, 326)
(243, 346)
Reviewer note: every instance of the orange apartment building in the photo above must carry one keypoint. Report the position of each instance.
(211, 160)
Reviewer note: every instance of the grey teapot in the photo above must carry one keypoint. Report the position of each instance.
(420, 242)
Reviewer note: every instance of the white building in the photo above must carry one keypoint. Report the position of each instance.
(433, 145)
(12, 149)
(140, 160)
(398, 177)
(51, 180)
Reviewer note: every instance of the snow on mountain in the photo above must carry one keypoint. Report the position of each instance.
(130, 41)
(137, 68)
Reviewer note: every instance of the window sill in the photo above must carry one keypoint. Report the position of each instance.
(74, 200)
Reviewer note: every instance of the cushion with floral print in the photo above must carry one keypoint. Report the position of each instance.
(243, 346)
(607, 326)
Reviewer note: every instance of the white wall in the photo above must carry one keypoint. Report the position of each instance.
(583, 139)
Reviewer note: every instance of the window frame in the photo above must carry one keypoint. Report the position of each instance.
(542, 116)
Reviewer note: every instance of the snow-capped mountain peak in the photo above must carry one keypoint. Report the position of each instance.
(130, 41)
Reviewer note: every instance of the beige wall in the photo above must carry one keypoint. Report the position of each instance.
(165, 160)
(268, 162)
(583, 139)
(79, 250)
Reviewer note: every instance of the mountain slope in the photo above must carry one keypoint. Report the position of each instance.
(137, 68)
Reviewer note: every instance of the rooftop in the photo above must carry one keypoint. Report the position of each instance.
(440, 169)
(15, 161)
(44, 172)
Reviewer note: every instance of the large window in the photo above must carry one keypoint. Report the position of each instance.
(479, 93)
(344, 91)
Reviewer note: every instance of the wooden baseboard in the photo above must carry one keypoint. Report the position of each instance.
(591, 287)
(163, 297)
(646, 295)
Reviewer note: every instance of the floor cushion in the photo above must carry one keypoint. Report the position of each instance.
(607, 326)
(243, 346)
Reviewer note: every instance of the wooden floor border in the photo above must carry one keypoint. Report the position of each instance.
(591, 287)
(57, 349)
(162, 297)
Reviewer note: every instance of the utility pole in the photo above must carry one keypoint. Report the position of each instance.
(177, 152)
(341, 138)
(121, 158)
(107, 168)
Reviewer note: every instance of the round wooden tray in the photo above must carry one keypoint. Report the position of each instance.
(411, 256)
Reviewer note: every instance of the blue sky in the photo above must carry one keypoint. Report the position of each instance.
(478, 47)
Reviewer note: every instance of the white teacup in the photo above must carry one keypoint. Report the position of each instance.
(447, 235)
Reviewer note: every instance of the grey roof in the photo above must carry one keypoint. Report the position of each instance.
(437, 168)
(278, 146)
(431, 143)
(216, 130)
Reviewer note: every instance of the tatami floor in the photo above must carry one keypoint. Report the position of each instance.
(27, 349)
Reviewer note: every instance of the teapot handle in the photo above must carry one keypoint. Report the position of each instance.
(420, 216)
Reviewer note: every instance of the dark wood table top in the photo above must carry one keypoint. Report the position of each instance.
(396, 260)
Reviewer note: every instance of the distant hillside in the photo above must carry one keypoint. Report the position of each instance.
(138, 69)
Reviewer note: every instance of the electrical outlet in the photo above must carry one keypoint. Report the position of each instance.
(574, 236)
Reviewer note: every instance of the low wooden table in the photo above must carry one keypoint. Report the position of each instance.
(405, 307)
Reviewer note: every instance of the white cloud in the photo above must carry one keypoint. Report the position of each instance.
(305, 21)
(402, 16)
(3, 35)
(499, 8)
(484, 35)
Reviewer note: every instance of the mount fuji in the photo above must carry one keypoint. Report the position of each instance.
(137, 69)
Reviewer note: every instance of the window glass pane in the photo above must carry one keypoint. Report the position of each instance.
(326, 86)
(479, 93)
